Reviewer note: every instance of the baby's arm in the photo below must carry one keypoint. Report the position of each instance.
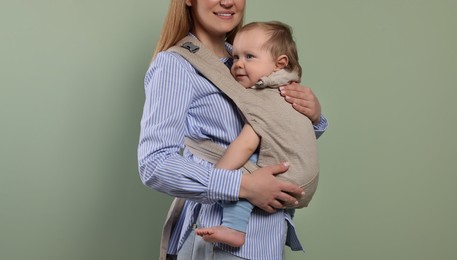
(239, 151)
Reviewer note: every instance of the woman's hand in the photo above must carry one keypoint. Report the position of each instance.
(303, 100)
(265, 191)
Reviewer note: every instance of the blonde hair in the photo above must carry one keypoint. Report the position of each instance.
(178, 23)
(279, 43)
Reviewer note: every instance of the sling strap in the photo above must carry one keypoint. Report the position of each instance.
(212, 152)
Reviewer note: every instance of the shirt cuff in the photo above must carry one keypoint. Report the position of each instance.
(224, 185)
(320, 127)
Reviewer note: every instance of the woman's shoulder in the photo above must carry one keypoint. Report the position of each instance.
(169, 58)
(166, 63)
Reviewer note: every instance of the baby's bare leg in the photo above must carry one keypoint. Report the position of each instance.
(221, 234)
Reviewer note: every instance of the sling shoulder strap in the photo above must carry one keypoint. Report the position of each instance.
(210, 66)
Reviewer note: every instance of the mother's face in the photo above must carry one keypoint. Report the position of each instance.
(216, 18)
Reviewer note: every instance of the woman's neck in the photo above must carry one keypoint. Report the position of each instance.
(213, 43)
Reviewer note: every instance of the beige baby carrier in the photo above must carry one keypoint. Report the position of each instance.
(286, 135)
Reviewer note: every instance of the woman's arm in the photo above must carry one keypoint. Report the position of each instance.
(169, 96)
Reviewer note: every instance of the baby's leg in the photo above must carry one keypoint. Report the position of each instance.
(234, 223)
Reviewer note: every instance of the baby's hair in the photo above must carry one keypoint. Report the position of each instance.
(281, 42)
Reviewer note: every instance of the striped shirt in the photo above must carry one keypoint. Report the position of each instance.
(180, 102)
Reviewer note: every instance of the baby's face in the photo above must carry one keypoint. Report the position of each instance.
(251, 60)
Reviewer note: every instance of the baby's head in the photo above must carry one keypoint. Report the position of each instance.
(261, 48)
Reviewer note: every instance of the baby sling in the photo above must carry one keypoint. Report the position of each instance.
(289, 138)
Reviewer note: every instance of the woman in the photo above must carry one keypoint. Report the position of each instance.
(180, 102)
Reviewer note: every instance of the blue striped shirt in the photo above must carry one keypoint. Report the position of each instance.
(181, 102)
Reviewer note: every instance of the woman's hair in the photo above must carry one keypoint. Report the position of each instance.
(178, 23)
(279, 43)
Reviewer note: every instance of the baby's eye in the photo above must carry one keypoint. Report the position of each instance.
(235, 57)
(249, 56)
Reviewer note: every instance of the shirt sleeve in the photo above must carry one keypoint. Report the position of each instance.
(168, 96)
(321, 127)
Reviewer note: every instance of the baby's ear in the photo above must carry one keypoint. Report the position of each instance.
(281, 62)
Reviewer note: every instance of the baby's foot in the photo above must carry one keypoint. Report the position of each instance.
(221, 234)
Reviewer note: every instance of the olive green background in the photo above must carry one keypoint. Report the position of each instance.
(71, 96)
